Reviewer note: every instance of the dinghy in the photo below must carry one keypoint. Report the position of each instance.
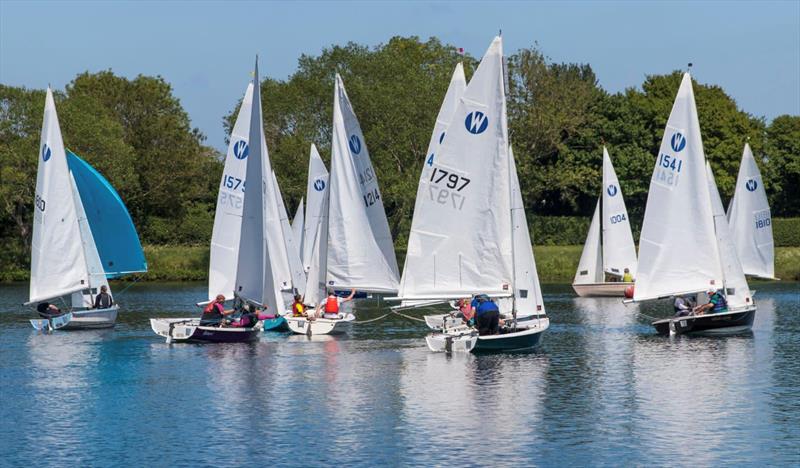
(609, 247)
(353, 246)
(685, 246)
(472, 182)
(750, 220)
(251, 211)
(82, 236)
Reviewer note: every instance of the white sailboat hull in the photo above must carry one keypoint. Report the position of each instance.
(601, 289)
(318, 326)
(80, 320)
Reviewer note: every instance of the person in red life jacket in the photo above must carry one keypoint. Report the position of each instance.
(298, 308)
(467, 313)
(214, 312)
(332, 304)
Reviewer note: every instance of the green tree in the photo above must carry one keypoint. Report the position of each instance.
(782, 165)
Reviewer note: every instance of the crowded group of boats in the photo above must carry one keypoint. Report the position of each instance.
(301, 275)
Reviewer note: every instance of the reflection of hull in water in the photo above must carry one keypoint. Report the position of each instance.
(318, 326)
(465, 339)
(79, 320)
(722, 323)
(188, 330)
(601, 289)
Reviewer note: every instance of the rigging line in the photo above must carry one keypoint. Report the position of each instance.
(135, 280)
(407, 316)
(372, 320)
(647, 316)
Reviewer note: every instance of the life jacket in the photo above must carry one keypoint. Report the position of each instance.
(332, 305)
(298, 308)
(720, 305)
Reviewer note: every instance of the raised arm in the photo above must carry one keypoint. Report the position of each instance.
(350, 297)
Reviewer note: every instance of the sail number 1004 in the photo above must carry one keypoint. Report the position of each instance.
(453, 183)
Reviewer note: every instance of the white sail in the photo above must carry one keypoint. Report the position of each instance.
(750, 220)
(298, 278)
(316, 192)
(619, 251)
(527, 291)
(460, 243)
(678, 246)
(228, 216)
(360, 249)
(58, 262)
(737, 292)
(590, 266)
(94, 266)
(298, 225)
(254, 277)
(316, 283)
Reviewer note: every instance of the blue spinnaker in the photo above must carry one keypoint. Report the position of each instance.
(112, 227)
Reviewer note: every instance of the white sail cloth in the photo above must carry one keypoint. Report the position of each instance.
(678, 250)
(360, 248)
(228, 216)
(619, 251)
(298, 226)
(590, 266)
(750, 220)
(316, 193)
(58, 261)
(298, 276)
(460, 243)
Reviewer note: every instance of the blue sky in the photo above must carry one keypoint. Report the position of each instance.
(206, 49)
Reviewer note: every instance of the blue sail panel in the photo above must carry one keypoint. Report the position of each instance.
(111, 224)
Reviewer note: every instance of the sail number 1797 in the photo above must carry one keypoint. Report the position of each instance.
(453, 184)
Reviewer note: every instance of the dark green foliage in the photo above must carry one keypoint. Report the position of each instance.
(786, 232)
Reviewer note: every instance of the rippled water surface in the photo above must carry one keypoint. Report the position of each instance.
(602, 389)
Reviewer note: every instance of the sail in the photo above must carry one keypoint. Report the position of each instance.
(316, 192)
(678, 246)
(298, 225)
(737, 292)
(292, 252)
(619, 251)
(750, 220)
(94, 266)
(254, 280)
(360, 249)
(316, 282)
(112, 229)
(590, 266)
(58, 262)
(527, 291)
(460, 243)
(228, 216)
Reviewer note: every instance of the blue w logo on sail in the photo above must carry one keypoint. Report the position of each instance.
(678, 142)
(751, 185)
(46, 153)
(355, 144)
(612, 190)
(241, 149)
(476, 122)
(319, 185)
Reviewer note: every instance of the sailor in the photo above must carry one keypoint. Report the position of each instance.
(627, 277)
(332, 304)
(48, 310)
(298, 308)
(716, 303)
(466, 311)
(104, 299)
(215, 312)
(683, 306)
(487, 316)
(249, 318)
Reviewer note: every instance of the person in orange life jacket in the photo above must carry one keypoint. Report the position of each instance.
(298, 308)
(215, 312)
(332, 304)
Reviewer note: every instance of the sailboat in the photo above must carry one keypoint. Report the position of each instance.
(685, 246)
(750, 220)
(469, 233)
(353, 246)
(250, 278)
(609, 247)
(82, 235)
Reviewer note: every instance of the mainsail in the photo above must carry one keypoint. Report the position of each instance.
(298, 225)
(316, 193)
(678, 250)
(461, 241)
(590, 266)
(619, 251)
(750, 220)
(360, 249)
(291, 250)
(228, 216)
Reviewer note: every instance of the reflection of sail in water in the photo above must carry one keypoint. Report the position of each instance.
(690, 389)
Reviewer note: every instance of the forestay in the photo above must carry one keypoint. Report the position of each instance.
(316, 192)
(228, 216)
(360, 249)
(298, 278)
(678, 247)
(254, 276)
(750, 220)
(298, 225)
(58, 262)
(737, 292)
(590, 266)
(619, 251)
(461, 240)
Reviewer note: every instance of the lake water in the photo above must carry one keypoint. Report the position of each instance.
(603, 389)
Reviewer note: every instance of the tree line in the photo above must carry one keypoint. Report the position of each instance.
(136, 133)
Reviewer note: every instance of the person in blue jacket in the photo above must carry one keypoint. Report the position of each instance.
(487, 315)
